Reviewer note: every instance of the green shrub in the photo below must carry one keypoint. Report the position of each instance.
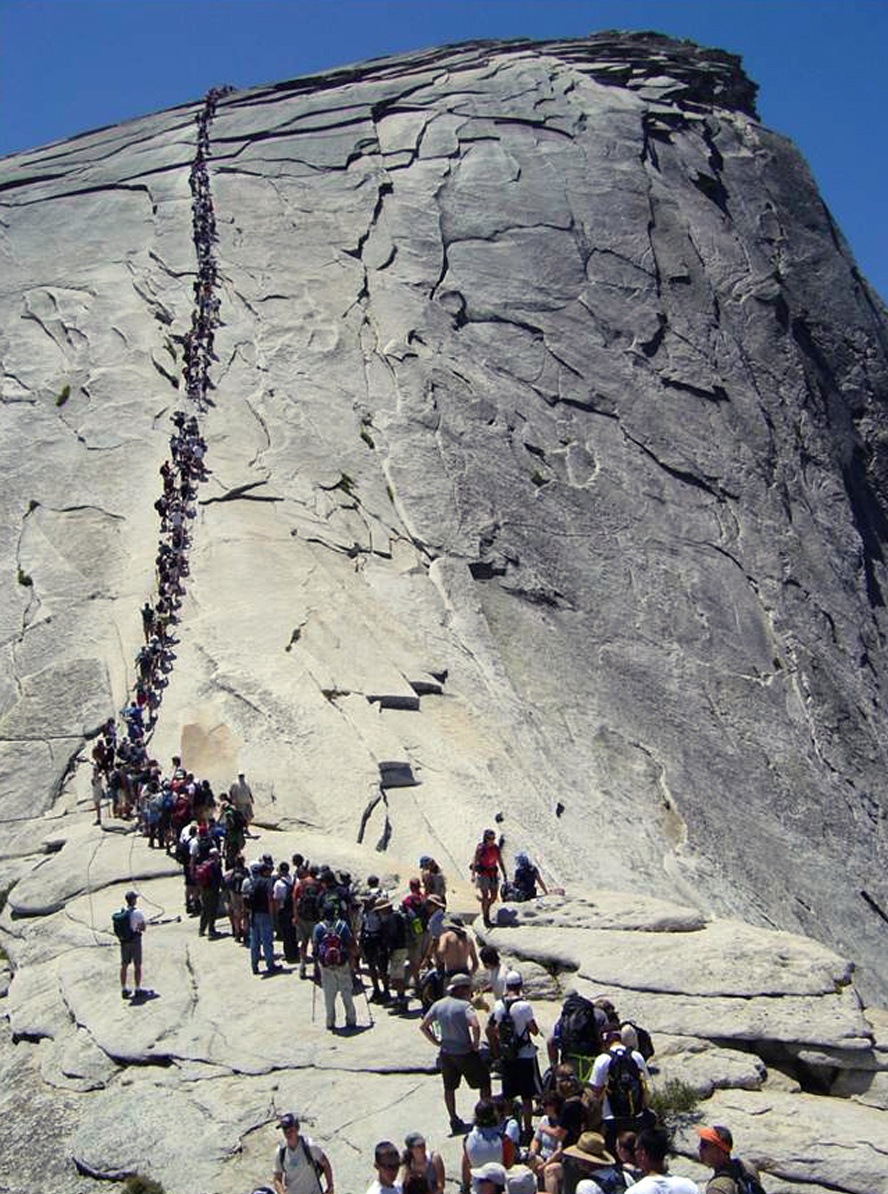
(538, 479)
(672, 1100)
(367, 438)
(137, 1183)
(345, 483)
(24, 579)
(391, 494)
(63, 395)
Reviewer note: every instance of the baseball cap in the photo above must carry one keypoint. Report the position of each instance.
(491, 1172)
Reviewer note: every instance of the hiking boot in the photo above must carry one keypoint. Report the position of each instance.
(457, 1127)
(255, 969)
(124, 994)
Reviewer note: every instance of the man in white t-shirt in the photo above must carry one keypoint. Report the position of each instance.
(299, 1163)
(131, 950)
(515, 1048)
(620, 1079)
(386, 1162)
(651, 1151)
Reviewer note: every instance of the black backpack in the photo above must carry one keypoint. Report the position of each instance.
(744, 1179)
(511, 1042)
(645, 1044)
(580, 1027)
(308, 906)
(525, 881)
(625, 1088)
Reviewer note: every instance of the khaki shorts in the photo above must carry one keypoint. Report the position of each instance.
(131, 951)
(488, 884)
(304, 930)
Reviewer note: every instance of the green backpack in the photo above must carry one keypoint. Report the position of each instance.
(120, 922)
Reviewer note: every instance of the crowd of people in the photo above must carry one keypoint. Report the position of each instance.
(583, 1127)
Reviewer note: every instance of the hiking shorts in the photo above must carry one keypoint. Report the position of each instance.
(131, 951)
(456, 1066)
(521, 1078)
(488, 884)
(304, 930)
(397, 962)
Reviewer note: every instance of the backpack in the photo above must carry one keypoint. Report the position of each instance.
(511, 893)
(511, 1042)
(308, 906)
(625, 1088)
(415, 927)
(744, 1179)
(183, 852)
(525, 881)
(580, 1027)
(234, 821)
(645, 1044)
(203, 874)
(331, 951)
(315, 1167)
(120, 922)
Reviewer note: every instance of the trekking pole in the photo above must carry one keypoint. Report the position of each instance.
(367, 1001)
(314, 993)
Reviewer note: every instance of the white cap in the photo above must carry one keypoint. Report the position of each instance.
(491, 1172)
(513, 979)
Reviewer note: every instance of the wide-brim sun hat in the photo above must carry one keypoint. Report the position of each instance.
(590, 1148)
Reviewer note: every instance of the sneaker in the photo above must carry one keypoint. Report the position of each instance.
(124, 994)
(457, 1127)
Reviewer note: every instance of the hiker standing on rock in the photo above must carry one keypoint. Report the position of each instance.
(485, 868)
(258, 893)
(332, 941)
(460, 1039)
(730, 1175)
(456, 952)
(129, 924)
(386, 1162)
(299, 1163)
(620, 1078)
(98, 793)
(651, 1152)
(510, 1030)
(241, 797)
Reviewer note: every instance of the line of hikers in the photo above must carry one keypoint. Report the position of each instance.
(120, 761)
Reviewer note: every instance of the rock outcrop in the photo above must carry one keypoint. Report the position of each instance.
(548, 482)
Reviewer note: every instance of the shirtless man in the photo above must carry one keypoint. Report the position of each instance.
(456, 950)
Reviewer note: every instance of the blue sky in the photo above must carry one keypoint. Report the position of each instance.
(71, 65)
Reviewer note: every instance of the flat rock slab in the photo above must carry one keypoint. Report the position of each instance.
(605, 910)
(723, 958)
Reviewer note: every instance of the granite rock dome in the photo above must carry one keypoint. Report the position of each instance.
(549, 483)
